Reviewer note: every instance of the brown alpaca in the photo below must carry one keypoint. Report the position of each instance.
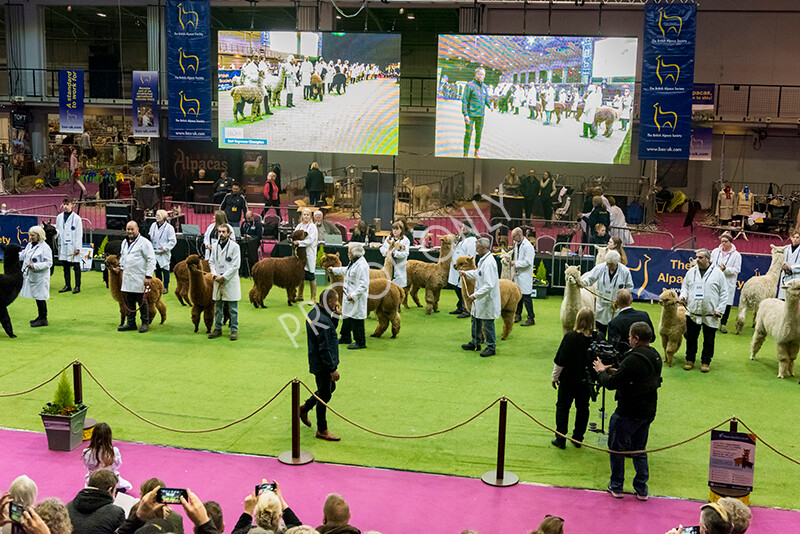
(181, 272)
(510, 294)
(154, 301)
(431, 276)
(384, 297)
(201, 289)
(283, 272)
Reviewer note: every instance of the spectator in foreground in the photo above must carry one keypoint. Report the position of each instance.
(738, 513)
(550, 525)
(148, 509)
(92, 511)
(336, 517)
(214, 511)
(174, 519)
(22, 491)
(714, 519)
(268, 510)
(53, 513)
(102, 454)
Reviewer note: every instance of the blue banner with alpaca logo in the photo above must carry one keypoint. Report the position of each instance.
(70, 101)
(14, 230)
(189, 69)
(665, 113)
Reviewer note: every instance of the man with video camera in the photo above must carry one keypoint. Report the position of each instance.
(636, 381)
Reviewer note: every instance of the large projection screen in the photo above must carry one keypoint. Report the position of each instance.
(327, 92)
(542, 98)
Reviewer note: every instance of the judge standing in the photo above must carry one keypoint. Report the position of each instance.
(224, 264)
(355, 293)
(522, 267)
(399, 253)
(37, 258)
(485, 299)
(610, 277)
(310, 244)
(137, 261)
(70, 236)
(729, 261)
(162, 235)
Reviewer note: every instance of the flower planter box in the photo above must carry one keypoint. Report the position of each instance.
(539, 292)
(64, 432)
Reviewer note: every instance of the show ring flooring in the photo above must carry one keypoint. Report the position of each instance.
(389, 501)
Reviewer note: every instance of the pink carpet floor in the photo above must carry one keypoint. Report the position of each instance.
(388, 501)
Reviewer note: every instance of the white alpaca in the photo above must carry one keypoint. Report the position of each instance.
(574, 299)
(507, 272)
(672, 326)
(759, 288)
(252, 166)
(781, 320)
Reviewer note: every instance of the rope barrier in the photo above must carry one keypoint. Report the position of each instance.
(767, 445)
(382, 434)
(40, 385)
(182, 431)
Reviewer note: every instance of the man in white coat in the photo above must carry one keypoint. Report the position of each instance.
(790, 269)
(610, 277)
(485, 299)
(399, 253)
(729, 261)
(224, 264)
(70, 237)
(465, 247)
(137, 261)
(704, 292)
(36, 259)
(355, 292)
(594, 99)
(306, 69)
(162, 235)
(522, 266)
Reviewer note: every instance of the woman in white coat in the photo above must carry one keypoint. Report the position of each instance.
(37, 258)
(619, 226)
(224, 264)
(399, 253)
(310, 244)
(465, 247)
(69, 228)
(162, 235)
(522, 265)
(355, 292)
(729, 261)
(790, 269)
(610, 277)
(485, 299)
(210, 238)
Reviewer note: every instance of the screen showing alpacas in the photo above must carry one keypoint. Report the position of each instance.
(309, 91)
(535, 97)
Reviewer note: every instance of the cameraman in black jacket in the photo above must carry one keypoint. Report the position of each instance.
(636, 381)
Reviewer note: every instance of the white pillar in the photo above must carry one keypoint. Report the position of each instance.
(156, 60)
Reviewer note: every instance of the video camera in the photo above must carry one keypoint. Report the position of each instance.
(608, 354)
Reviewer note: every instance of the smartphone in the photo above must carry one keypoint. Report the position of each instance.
(171, 495)
(15, 512)
(267, 486)
(691, 530)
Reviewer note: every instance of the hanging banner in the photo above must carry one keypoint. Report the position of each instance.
(14, 230)
(145, 103)
(655, 270)
(70, 101)
(702, 114)
(731, 461)
(189, 69)
(667, 80)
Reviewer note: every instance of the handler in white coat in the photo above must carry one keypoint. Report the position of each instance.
(729, 261)
(594, 99)
(790, 269)
(224, 264)
(465, 247)
(399, 253)
(485, 299)
(355, 292)
(70, 237)
(522, 265)
(36, 259)
(137, 261)
(610, 277)
(162, 236)
(310, 244)
(704, 292)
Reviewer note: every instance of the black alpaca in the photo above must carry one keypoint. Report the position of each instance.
(10, 285)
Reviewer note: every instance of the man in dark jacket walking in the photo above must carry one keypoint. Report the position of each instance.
(92, 511)
(315, 184)
(323, 359)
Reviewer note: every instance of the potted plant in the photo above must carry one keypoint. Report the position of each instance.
(63, 419)
(539, 290)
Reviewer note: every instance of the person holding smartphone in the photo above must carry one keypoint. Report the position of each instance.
(714, 519)
(149, 507)
(269, 511)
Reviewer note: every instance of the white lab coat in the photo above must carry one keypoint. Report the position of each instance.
(705, 295)
(225, 262)
(793, 261)
(399, 259)
(208, 240)
(619, 226)
(487, 289)
(524, 256)
(164, 241)
(593, 101)
(465, 247)
(36, 279)
(549, 99)
(355, 287)
(70, 236)
(607, 286)
(626, 106)
(733, 266)
(305, 73)
(137, 261)
(310, 244)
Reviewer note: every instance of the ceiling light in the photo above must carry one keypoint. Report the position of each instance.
(410, 16)
(69, 8)
(101, 15)
(338, 17)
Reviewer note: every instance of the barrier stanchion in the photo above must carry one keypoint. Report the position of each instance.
(296, 456)
(77, 382)
(501, 477)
